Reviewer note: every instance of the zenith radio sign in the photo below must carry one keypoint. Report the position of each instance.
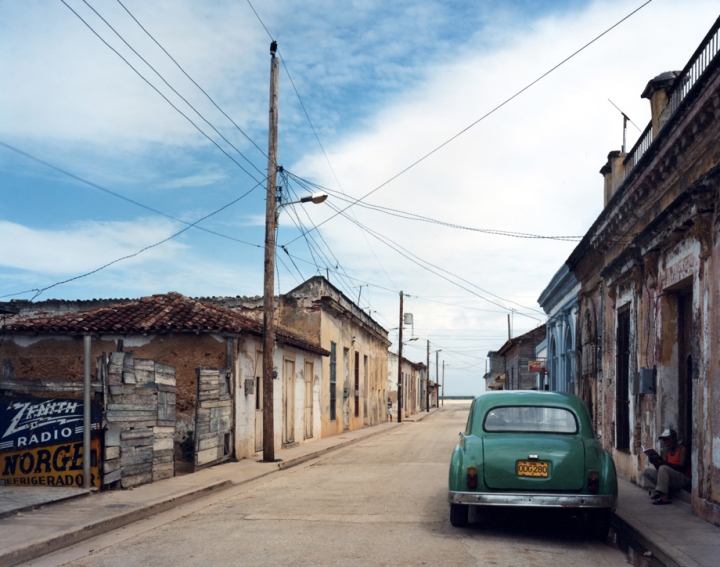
(29, 423)
(41, 442)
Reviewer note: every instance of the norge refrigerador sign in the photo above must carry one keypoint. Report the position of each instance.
(41, 442)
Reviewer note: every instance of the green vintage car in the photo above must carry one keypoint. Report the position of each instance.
(528, 448)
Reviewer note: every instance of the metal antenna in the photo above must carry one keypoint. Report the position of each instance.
(626, 119)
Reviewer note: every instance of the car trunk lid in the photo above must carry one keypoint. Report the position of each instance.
(565, 455)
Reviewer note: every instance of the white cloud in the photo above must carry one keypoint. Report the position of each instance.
(85, 246)
(530, 167)
(199, 180)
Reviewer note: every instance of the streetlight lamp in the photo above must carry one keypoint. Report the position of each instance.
(315, 198)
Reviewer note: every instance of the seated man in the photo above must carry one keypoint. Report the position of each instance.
(670, 471)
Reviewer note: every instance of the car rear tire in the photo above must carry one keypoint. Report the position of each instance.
(459, 515)
(599, 523)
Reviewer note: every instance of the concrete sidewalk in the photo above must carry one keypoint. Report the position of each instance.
(22, 499)
(32, 532)
(676, 537)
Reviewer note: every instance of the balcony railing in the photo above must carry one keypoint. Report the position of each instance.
(696, 66)
(639, 148)
(685, 81)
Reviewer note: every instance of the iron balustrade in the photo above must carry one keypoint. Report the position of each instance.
(696, 67)
(639, 148)
(684, 82)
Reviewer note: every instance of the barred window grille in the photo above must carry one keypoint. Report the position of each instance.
(333, 377)
(622, 382)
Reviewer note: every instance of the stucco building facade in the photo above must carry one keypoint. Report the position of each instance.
(560, 301)
(649, 272)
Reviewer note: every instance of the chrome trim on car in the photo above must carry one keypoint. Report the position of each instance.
(533, 499)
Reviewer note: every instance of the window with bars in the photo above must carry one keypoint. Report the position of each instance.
(357, 384)
(333, 378)
(622, 381)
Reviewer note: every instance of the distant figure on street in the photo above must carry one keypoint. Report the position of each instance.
(389, 410)
(670, 471)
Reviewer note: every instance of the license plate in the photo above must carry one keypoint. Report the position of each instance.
(532, 468)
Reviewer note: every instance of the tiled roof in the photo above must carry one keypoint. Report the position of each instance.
(171, 312)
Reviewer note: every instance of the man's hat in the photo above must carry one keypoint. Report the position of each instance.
(668, 433)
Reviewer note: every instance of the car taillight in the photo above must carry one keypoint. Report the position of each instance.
(593, 481)
(472, 480)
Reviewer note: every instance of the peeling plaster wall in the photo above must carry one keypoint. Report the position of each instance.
(411, 385)
(61, 357)
(667, 212)
(248, 366)
(318, 312)
(345, 333)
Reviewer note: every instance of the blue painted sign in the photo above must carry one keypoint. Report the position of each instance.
(30, 423)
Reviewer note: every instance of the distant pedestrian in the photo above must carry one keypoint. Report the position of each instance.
(389, 409)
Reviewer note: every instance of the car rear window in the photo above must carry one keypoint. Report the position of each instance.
(530, 419)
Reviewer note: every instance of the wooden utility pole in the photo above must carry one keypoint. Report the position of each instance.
(427, 375)
(399, 418)
(87, 425)
(437, 369)
(269, 278)
(443, 384)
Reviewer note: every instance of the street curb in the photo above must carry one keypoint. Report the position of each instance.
(427, 414)
(667, 554)
(282, 465)
(33, 550)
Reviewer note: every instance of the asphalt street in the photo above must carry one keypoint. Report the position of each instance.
(379, 502)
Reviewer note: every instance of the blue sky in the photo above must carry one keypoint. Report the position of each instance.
(383, 83)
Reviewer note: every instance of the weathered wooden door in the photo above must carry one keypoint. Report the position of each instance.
(309, 379)
(289, 402)
(258, 401)
(213, 416)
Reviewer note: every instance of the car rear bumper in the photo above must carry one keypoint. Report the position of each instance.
(533, 499)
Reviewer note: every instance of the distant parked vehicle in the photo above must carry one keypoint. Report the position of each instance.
(532, 449)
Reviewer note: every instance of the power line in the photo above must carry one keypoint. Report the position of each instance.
(261, 22)
(171, 87)
(191, 79)
(120, 196)
(486, 115)
(392, 283)
(158, 91)
(327, 159)
(279, 258)
(412, 216)
(322, 148)
(307, 233)
(41, 290)
(385, 240)
(461, 306)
